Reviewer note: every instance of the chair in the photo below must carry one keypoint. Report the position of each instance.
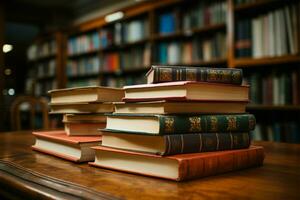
(34, 105)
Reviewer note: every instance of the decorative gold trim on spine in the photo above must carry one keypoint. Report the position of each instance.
(195, 124)
(169, 125)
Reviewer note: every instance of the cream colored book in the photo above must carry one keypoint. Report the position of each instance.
(169, 107)
(79, 118)
(64, 108)
(86, 94)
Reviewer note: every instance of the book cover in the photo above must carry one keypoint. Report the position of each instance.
(161, 73)
(178, 167)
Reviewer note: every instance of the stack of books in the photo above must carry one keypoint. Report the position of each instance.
(83, 112)
(185, 123)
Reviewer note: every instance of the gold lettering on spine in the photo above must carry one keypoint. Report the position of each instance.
(213, 124)
(191, 74)
(195, 124)
(225, 76)
(236, 76)
(232, 126)
(165, 74)
(212, 75)
(169, 125)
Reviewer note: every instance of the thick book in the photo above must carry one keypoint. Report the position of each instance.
(57, 143)
(164, 73)
(83, 118)
(169, 107)
(179, 124)
(86, 94)
(83, 128)
(176, 144)
(181, 166)
(186, 91)
(72, 108)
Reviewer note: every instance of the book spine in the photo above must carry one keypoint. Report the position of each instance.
(170, 124)
(217, 164)
(194, 143)
(169, 74)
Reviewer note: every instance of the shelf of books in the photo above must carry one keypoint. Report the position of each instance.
(267, 46)
(42, 66)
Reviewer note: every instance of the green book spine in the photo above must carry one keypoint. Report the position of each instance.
(200, 74)
(178, 124)
(205, 142)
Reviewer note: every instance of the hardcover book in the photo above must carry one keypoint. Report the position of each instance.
(176, 144)
(186, 91)
(169, 107)
(86, 94)
(83, 118)
(181, 166)
(57, 143)
(163, 73)
(70, 108)
(83, 128)
(179, 124)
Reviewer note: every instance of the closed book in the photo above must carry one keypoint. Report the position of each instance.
(173, 107)
(82, 118)
(186, 91)
(176, 144)
(160, 74)
(86, 94)
(70, 108)
(72, 148)
(83, 128)
(178, 167)
(179, 124)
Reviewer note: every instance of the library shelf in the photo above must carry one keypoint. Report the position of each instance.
(254, 5)
(83, 54)
(126, 71)
(257, 107)
(169, 36)
(124, 45)
(250, 62)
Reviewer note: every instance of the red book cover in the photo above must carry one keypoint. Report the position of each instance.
(196, 165)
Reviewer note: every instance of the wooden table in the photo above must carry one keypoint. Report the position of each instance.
(26, 173)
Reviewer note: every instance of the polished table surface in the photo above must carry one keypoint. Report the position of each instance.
(30, 174)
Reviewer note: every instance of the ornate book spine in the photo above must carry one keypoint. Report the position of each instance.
(169, 74)
(205, 142)
(179, 124)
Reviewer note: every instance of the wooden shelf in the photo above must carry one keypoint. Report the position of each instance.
(250, 62)
(44, 58)
(274, 107)
(123, 46)
(167, 36)
(95, 51)
(254, 5)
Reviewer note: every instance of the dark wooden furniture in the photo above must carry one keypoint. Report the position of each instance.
(36, 104)
(26, 173)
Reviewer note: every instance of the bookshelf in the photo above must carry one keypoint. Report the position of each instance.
(215, 34)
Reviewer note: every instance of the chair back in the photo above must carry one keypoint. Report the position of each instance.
(34, 105)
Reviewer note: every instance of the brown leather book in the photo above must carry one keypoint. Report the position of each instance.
(73, 148)
(181, 166)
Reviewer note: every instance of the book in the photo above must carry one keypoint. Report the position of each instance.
(79, 118)
(186, 91)
(176, 144)
(83, 128)
(178, 167)
(169, 107)
(63, 108)
(57, 143)
(161, 73)
(179, 124)
(86, 94)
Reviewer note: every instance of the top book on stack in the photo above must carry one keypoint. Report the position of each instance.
(86, 94)
(162, 74)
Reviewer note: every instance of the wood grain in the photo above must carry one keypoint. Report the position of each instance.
(279, 178)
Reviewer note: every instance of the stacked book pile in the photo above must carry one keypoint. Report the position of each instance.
(185, 123)
(83, 112)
